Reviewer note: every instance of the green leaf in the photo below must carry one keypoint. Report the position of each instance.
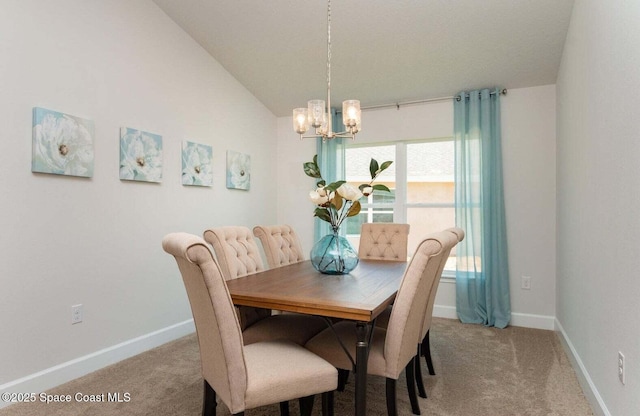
(337, 201)
(380, 187)
(385, 165)
(355, 209)
(321, 183)
(373, 167)
(311, 169)
(335, 185)
(323, 214)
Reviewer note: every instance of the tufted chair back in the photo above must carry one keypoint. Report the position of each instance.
(238, 255)
(281, 244)
(384, 241)
(236, 250)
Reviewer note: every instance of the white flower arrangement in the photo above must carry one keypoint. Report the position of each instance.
(339, 200)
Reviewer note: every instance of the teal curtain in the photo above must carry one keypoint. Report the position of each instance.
(331, 161)
(482, 275)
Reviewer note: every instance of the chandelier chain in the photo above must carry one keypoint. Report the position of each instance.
(329, 46)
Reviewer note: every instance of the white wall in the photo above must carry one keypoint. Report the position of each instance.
(528, 119)
(597, 196)
(528, 153)
(96, 241)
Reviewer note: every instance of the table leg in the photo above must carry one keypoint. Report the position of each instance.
(362, 356)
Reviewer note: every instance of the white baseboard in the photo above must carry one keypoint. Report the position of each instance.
(528, 320)
(62, 373)
(517, 319)
(440, 311)
(590, 391)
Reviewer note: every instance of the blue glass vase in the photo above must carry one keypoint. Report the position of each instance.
(333, 254)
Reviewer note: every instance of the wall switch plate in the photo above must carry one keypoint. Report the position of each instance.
(76, 314)
(526, 282)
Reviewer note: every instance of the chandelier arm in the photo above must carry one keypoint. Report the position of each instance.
(325, 137)
(345, 134)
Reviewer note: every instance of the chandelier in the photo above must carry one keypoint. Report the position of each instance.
(319, 117)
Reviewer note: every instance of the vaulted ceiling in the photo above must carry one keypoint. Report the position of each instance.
(383, 51)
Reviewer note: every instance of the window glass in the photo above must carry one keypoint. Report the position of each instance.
(426, 197)
(357, 164)
(430, 172)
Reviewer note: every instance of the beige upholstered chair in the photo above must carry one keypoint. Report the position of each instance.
(383, 241)
(380, 241)
(424, 348)
(280, 243)
(244, 377)
(238, 255)
(394, 348)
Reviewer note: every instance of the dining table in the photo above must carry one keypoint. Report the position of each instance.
(359, 296)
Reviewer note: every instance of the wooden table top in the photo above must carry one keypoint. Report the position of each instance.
(361, 295)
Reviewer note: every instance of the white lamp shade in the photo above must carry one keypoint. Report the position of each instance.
(300, 120)
(351, 114)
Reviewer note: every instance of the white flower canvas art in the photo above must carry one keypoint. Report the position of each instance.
(62, 144)
(197, 160)
(238, 170)
(140, 155)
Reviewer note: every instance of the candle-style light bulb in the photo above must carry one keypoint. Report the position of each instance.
(316, 112)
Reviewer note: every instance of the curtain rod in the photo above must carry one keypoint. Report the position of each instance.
(429, 100)
(501, 92)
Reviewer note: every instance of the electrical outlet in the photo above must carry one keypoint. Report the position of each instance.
(76, 314)
(621, 367)
(526, 282)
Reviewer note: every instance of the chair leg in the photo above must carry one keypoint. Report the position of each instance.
(391, 398)
(411, 387)
(284, 408)
(209, 400)
(306, 405)
(418, 370)
(343, 377)
(426, 351)
(327, 403)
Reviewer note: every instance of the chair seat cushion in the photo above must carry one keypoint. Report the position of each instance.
(297, 328)
(326, 345)
(280, 370)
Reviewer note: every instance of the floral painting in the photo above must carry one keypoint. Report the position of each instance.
(238, 170)
(62, 144)
(196, 164)
(140, 155)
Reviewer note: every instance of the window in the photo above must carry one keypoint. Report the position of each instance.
(421, 183)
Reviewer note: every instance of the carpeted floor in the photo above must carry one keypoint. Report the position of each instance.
(480, 372)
